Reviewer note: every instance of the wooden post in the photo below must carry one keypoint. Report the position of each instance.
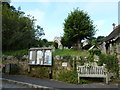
(78, 78)
(50, 73)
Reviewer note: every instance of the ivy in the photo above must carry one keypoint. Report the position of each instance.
(111, 62)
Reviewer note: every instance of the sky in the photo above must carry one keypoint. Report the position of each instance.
(50, 15)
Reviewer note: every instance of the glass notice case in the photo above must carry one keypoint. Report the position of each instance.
(40, 56)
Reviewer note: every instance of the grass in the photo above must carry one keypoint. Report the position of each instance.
(18, 52)
(70, 52)
(61, 52)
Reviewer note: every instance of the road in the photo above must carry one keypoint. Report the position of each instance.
(6, 84)
(44, 83)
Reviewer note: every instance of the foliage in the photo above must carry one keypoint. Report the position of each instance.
(40, 72)
(49, 44)
(95, 52)
(66, 43)
(18, 30)
(111, 62)
(100, 38)
(19, 56)
(78, 26)
(39, 32)
(82, 60)
(44, 43)
(17, 52)
(90, 58)
(70, 77)
(55, 45)
(67, 57)
(95, 40)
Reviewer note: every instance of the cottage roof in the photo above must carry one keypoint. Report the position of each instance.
(113, 34)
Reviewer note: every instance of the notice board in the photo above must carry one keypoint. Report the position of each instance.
(40, 56)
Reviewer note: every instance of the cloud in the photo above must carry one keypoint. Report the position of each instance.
(39, 15)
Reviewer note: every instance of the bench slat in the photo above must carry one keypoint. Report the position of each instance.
(93, 71)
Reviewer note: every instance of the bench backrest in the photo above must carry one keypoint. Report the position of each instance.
(91, 70)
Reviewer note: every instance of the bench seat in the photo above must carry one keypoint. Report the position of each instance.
(92, 71)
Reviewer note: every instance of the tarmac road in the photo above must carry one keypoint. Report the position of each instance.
(6, 84)
(57, 84)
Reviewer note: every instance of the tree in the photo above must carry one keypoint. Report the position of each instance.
(66, 43)
(78, 26)
(55, 45)
(18, 31)
(39, 32)
(100, 38)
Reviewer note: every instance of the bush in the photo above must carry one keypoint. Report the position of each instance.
(90, 58)
(39, 72)
(55, 45)
(67, 57)
(95, 52)
(19, 57)
(70, 77)
(82, 60)
(111, 62)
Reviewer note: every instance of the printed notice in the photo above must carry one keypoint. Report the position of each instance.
(30, 55)
(48, 58)
(39, 57)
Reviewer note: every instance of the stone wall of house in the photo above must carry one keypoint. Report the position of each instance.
(112, 48)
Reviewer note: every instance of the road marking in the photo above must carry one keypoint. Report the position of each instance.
(28, 84)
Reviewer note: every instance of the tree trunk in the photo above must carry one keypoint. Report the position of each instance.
(79, 44)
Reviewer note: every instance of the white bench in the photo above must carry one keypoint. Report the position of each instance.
(92, 71)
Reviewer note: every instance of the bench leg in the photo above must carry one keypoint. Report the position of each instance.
(107, 80)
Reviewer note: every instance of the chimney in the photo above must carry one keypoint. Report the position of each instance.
(113, 26)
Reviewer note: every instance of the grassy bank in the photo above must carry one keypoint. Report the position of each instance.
(70, 52)
(61, 52)
(17, 52)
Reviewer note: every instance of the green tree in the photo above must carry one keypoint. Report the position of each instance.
(18, 31)
(66, 43)
(78, 26)
(39, 32)
(100, 38)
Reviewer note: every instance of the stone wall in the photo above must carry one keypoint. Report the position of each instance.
(22, 62)
(60, 63)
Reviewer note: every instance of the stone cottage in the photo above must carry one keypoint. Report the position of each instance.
(112, 42)
(111, 45)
